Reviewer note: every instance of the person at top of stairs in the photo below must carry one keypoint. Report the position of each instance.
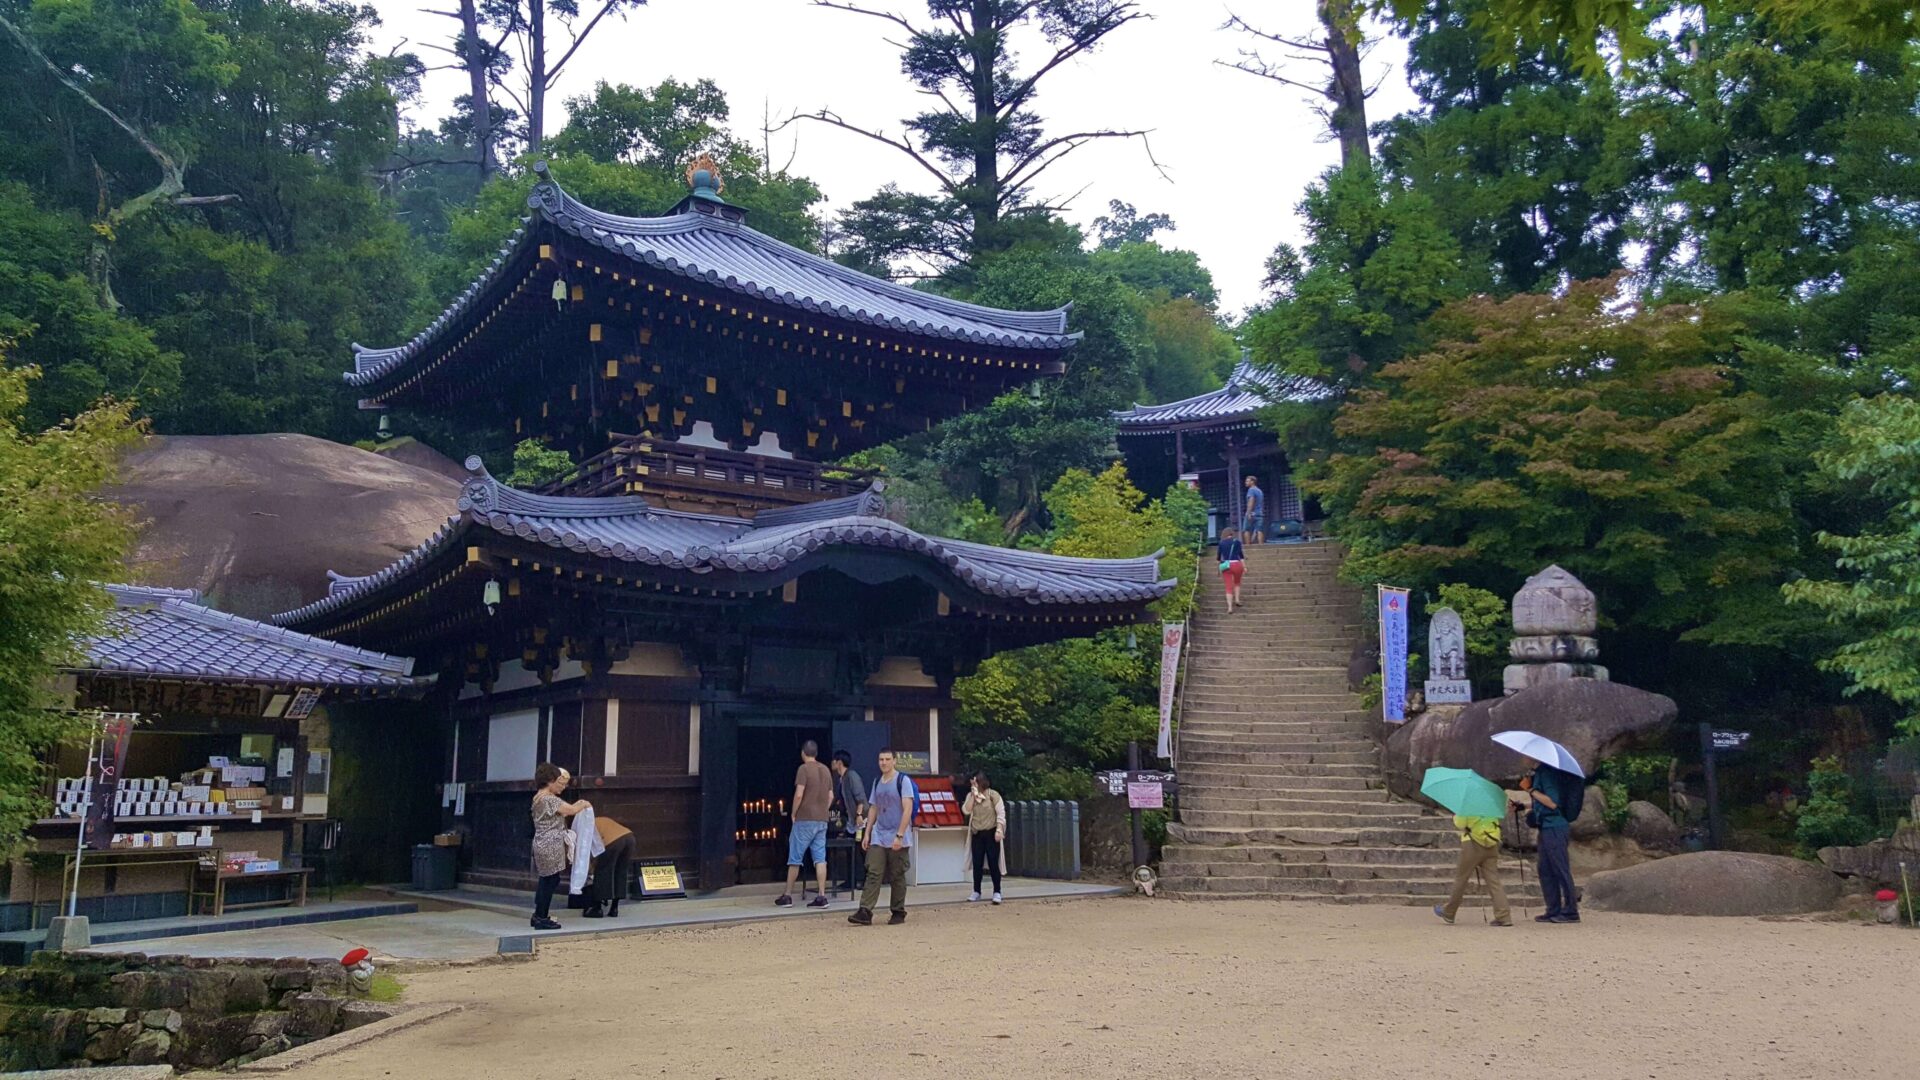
(1256, 519)
(1233, 565)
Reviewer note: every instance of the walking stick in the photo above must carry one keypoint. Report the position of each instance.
(1907, 888)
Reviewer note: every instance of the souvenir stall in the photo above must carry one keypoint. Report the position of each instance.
(193, 794)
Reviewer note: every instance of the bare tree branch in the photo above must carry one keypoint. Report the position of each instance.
(826, 117)
(889, 16)
(1266, 71)
(1073, 48)
(553, 70)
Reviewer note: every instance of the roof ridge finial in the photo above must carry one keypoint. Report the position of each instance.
(703, 176)
(481, 492)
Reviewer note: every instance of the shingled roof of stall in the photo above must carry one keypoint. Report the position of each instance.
(627, 532)
(1249, 389)
(705, 241)
(168, 634)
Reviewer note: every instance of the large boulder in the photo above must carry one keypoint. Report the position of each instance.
(1876, 863)
(256, 521)
(1716, 883)
(1650, 827)
(1592, 719)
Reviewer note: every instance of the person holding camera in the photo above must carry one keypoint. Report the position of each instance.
(986, 815)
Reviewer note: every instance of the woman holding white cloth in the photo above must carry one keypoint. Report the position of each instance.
(550, 814)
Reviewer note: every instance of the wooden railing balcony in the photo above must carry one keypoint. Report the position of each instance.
(707, 479)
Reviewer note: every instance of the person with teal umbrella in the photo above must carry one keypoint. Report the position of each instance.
(1478, 807)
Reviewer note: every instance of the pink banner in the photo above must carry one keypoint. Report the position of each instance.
(1172, 636)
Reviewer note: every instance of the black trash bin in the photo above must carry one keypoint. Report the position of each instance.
(433, 867)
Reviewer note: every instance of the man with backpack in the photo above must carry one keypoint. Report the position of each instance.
(888, 841)
(1555, 800)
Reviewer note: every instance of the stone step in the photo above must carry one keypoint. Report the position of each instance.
(1436, 835)
(1387, 898)
(1281, 706)
(1378, 892)
(1214, 755)
(1511, 871)
(1204, 731)
(1388, 855)
(1268, 780)
(1281, 820)
(1307, 695)
(1254, 770)
(1437, 885)
(1320, 678)
(1288, 798)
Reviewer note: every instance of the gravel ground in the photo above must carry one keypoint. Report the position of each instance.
(1135, 987)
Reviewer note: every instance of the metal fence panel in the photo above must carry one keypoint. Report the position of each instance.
(1043, 839)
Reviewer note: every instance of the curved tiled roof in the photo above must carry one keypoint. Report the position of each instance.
(1249, 389)
(628, 529)
(169, 633)
(720, 250)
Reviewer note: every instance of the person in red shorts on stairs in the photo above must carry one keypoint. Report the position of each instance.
(1233, 565)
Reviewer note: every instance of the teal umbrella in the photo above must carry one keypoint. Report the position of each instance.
(1464, 792)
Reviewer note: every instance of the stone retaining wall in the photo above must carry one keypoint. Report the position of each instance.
(191, 1012)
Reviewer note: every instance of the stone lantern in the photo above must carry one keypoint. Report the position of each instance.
(1553, 625)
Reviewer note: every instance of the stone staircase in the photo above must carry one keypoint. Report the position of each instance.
(1281, 795)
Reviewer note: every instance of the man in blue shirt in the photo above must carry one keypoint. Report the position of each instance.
(1255, 525)
(889, 841)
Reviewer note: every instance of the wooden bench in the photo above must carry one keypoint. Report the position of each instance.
(212, 887)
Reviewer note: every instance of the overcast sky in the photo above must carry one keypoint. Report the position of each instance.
(1239, 150)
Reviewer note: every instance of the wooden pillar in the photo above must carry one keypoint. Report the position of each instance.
(1179, 454)
(1236, 499)
(719, 749)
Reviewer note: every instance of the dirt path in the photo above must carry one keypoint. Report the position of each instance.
(1130, 987)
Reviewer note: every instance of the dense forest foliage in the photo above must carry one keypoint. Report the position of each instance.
(1624, 294)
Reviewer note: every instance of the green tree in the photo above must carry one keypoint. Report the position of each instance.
(662, 128)
(1376, 264)
(1773, 152)
(535, 466)
(1536, 170)
(1593, 30)
(1072, 706)
(265, 249)
(60, 541)
(1616, 440)
(987, 146)
(49, 310)
(1877, 606)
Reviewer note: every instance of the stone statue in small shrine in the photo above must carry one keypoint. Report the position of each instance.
(1447, 659)
(1553, 624)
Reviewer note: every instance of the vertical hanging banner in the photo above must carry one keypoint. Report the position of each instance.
(1393, 654)
(104, 773)
(1172, 636)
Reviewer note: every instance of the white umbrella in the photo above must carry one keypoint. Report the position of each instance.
(1542, 749)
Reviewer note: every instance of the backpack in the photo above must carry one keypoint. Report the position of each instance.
(1574, 789)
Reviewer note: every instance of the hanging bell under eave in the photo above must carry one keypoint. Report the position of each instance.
(559, 293)
(386, 428)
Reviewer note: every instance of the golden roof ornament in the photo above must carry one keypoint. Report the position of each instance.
(703, 176)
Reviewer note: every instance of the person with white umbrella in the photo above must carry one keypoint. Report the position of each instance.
(1556, 792)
